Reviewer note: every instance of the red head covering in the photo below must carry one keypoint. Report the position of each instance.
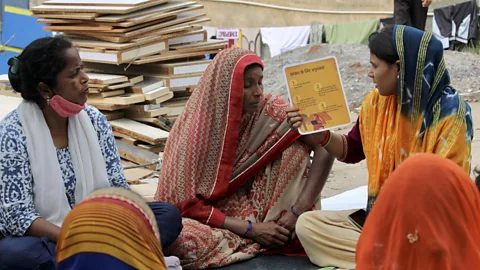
(201, 150)
(427, 216)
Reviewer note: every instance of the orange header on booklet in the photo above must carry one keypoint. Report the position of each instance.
(315, 88)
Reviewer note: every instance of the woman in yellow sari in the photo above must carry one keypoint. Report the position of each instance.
(412, 110)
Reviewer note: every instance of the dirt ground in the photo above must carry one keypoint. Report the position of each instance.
(349, 176)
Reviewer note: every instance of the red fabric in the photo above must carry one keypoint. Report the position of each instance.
(355, 152)
(202, 148)
(289, 138)
(427, 216)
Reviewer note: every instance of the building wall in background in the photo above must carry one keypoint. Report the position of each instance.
(246, 16)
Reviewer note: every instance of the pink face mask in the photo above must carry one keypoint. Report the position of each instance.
(64, 107)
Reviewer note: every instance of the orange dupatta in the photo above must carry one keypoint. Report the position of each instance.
(426, 217)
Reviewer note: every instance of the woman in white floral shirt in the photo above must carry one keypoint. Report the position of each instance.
(54, 151)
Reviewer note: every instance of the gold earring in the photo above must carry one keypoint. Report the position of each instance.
(48, 100)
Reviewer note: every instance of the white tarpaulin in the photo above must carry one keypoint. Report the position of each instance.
(352, 199)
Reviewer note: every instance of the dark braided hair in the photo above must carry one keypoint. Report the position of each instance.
(41, 61)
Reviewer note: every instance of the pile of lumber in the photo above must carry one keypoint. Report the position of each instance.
(143, 58)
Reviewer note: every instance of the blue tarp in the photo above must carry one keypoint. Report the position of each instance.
(19, 30)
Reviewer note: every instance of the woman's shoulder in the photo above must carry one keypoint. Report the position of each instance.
(99, 120)
(11, 130)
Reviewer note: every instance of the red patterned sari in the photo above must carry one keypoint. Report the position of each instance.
(220, 163)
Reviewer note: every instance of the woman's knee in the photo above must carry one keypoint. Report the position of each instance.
(26, 252)
(303, 225)
(169, 221)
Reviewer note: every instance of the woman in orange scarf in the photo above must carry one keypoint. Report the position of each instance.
(113, 228)
(236, 171)
(412, 110)
(426, 217)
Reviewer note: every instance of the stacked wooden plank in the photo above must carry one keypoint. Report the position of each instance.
(130, 31)
(143, 58)
(131, 37)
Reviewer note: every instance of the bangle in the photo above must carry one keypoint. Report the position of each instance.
(345, 148)
(248, 228)
(294, 212)
(327, 138)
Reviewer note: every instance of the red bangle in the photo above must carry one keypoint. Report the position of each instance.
(326, 140)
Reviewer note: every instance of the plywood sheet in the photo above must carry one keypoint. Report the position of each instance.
(106, 79)
(144, 12)
(147, 191)
(112, 93)
(149, 84)
(172, 55)
(127, 99)
(161, 99)
(181, 81)
(73, 16)
(127, 3)
(118, 86)
(156, 149)
(113, 115)
(152, 95)
(154, 121)
(85, 27)
(136, 79)
(186, 23)
(135, 113)
(61, 21)
(181, 67)
(108, 107)
(139, 131)
(156, 16)
(135, 154)
(119, 57)
(208, 43)
(137, 173)
(95, 9)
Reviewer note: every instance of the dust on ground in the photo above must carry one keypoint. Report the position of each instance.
(354, 62)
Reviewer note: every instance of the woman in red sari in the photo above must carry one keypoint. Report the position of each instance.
(232, 166)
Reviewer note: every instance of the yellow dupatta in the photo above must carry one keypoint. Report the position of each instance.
(427, 116)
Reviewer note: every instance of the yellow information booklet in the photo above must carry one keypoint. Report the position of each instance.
(316, 89)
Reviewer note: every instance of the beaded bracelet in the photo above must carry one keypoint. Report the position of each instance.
(294, 212)
(248, 228)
